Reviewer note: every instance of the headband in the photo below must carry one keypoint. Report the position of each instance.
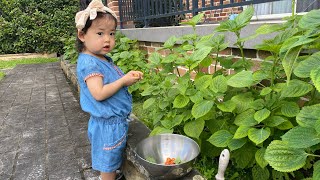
(91, 11)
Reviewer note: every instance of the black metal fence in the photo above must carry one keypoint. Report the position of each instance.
(146, 12)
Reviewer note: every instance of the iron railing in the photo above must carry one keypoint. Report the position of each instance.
(148, 11)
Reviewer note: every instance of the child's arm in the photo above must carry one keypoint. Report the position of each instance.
(101, 92)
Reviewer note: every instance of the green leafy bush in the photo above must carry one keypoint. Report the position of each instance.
(29, 26)
(268, 119)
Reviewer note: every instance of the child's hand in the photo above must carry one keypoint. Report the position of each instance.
(132, 77)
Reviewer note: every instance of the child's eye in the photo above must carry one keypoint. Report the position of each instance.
(112, 34)
(99, 33)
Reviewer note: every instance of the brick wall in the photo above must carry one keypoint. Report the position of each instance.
(255, 55)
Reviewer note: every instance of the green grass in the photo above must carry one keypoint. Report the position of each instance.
(12, 63)
(9, 64)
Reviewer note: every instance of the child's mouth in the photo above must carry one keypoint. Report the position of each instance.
(106, 47)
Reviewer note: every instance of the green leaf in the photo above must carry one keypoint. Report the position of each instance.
(310, 20)
(227, 106)
(265, 91)
(196, 98)
(317, 126)
(243, 102)
(246, 118)
(301, 137)
(170, 42)
(257, 104)
(259, 173)
(244, 157)
(296, 88)
(194, 128)
(194, 21)
(274, 121)
(244, 17)
(203, 82)
(289, 60)
(304, 68)
(200, 54)
(219, 84)
(315, 77)
(220, 138)
(241, 132)
(283, 158)
(241, 79)
(160, 130)
(148, 103)
(155, 58)
(202, 108)
(316, 170)
(290, 109)
(260, 157)
(258, 135)
(285, 125)
(308, 115)
(236, 143)
(262, 115)
(180, 101)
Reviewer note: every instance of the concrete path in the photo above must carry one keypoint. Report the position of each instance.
(43, 131)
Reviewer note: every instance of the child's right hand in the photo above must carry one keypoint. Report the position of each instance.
(132, 77)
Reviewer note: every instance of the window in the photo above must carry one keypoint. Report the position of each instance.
(279, 9)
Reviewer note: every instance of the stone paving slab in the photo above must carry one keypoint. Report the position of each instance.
(43, 131)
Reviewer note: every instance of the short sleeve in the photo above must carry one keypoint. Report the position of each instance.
(88, 67)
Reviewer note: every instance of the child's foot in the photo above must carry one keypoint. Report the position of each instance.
(119, 175)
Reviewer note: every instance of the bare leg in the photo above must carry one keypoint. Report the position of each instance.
(108, 176)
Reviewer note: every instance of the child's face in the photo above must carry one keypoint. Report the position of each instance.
(100, 37)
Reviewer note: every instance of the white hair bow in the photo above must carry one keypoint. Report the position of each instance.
(91, 11)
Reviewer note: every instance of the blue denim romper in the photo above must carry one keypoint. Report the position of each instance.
(108, 126)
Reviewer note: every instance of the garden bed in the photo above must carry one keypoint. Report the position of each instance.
(132, 169)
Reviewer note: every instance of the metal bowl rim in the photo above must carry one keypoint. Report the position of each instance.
(169, 135)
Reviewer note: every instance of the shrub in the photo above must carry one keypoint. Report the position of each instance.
(29, 26)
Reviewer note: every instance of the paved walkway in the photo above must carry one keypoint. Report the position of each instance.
(42, 128)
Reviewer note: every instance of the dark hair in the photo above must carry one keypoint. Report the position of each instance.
(83, 5)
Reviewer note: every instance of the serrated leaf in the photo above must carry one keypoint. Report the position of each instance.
(265, 91)
(315, 77)
(257, 104)
(283, 158)
(243, 102)
(296, 88)
(219, 84)
(289, 60)
(258, 135)
(148, 103)
(260, 157)
(244, 156)
(244, 17)
(203, 82)
(290, 109)
(310, 20)
(202, 108)
(241, 79)
(194, 128)
(259, 173)
(274, 121)
(155, 58)
(308, 115)
(301, 137)
(304, 67)
(236, 143)
(196, 98)
(317, 126)
(200, 54)
(180, 101)
(220, 138)
(316, 170)
(160, 130)
(241, 132)
(285, 125)
(227, 106)
(246, 118)
(262, 114)
(170, 42)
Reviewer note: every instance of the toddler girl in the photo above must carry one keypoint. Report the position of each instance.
(103, 88)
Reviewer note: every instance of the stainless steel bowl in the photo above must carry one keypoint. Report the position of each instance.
(153, 151)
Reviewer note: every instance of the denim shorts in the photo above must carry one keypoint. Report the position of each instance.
(108, 139)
